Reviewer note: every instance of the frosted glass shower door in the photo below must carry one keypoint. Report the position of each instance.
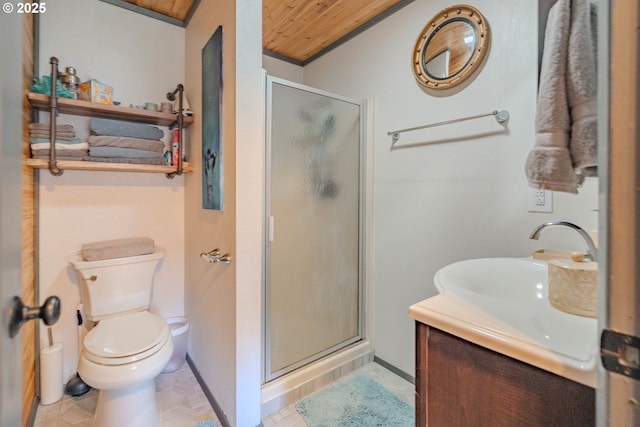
(313, 284)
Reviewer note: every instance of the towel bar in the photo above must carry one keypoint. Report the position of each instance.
(501, 117)
(214, 256)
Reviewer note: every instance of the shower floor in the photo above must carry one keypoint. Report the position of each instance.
(289, 416)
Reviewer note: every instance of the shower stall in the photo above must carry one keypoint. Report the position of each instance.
(314, 266)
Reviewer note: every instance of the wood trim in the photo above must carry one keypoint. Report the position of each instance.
(117, 112)
(28, 232)
(622, 309)
(107, 167)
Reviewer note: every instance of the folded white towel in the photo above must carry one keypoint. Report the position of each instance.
(46, 146)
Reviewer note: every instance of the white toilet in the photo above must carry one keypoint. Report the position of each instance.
(129, 346)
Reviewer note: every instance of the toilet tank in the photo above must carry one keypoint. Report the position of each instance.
(116, 286)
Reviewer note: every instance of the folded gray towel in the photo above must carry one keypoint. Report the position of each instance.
(118, 248)
(125, 142)
(46, 134)
(128, 160)
(46, 140)
(61, 152)
(123, 152)
(47, 126)
(58, 157)
(582, 88)
(120, 128)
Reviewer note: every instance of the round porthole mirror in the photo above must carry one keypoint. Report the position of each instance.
(451, 47)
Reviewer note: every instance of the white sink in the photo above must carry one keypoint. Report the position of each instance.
(502, 304)
(520, 279)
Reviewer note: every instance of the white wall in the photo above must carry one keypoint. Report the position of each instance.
(282, 69)
(224, 301)
(436, 203)
(142, 59)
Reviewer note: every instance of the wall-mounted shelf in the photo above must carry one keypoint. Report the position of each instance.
(117, 112)
(54, 105)
(107, 167)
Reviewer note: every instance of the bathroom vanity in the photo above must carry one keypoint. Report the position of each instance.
(459, 383)
(492, 351)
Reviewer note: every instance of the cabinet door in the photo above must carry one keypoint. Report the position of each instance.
(468, 385)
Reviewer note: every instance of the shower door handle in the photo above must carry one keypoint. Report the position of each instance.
(270, 229)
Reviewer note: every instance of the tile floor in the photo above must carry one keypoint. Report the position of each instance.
(182, 404)
(289, 416)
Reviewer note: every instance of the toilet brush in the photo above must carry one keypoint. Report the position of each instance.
(50, 371)
(75, 386)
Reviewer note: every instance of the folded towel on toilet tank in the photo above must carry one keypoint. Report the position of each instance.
(118, 248)
(120, 128)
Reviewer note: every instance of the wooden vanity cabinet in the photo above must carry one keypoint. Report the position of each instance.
(459, 383)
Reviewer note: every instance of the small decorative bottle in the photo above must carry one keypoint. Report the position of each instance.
(71, 81)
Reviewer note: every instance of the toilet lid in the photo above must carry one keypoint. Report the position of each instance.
(126, 335)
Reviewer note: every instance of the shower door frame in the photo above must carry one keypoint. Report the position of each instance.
(362, 191)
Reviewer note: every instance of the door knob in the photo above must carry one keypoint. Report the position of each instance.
(19, 313)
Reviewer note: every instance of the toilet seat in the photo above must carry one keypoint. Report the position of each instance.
(126, 339)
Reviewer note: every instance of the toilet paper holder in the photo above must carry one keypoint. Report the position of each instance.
(19, 313)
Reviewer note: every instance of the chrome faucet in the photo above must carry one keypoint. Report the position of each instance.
(592, 251)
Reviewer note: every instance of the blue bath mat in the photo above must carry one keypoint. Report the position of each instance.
(206, 423)
(357, 402)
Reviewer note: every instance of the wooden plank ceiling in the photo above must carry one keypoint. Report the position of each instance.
(302, 30)
(294, 30)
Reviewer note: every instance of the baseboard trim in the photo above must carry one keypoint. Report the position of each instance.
(212, 400)
(394, 369)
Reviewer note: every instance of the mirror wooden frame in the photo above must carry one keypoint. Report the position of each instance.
(465, 13)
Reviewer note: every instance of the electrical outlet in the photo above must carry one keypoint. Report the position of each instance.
(540, 200)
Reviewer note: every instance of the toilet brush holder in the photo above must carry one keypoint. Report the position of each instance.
(51, 382)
